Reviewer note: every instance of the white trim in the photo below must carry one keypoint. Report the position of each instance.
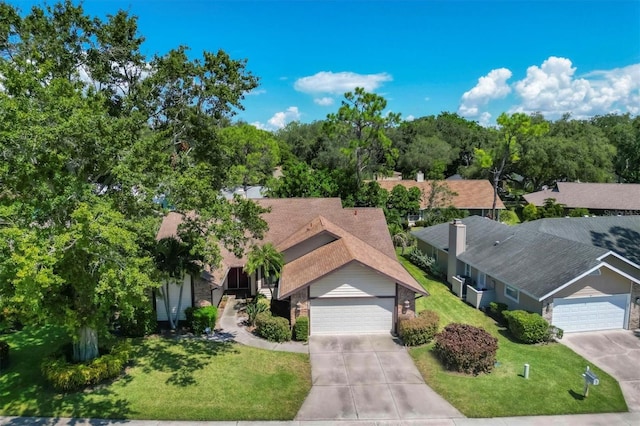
(624, 259)
(579, 277)
(517, 298)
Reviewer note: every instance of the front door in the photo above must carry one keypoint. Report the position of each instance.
(237, 279)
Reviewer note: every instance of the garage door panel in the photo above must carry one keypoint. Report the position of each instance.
(591, 313)
(351, 315)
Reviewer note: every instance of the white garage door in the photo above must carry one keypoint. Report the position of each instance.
(591, 313)
(351, 315)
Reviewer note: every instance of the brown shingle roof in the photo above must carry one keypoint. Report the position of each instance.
(471, 194)
(308, 268)
(362, 232)
(600, 196)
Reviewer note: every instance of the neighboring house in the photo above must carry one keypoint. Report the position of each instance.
(598, 198)
(620, 234)
(575, 286)
(340, 267)
(475, 196)
(251, 192)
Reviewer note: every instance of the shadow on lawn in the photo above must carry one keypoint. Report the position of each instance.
(181, 357)
(25, 392)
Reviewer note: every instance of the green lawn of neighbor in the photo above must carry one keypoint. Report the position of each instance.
(186, 379)
(555, 384)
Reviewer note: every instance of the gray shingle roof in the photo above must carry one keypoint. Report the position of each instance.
(534, 262)
(620, 234)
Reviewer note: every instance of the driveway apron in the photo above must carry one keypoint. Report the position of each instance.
(368, 377)
(615, 351)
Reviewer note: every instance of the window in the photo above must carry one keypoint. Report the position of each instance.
(511, 292)
(467, 270)
(434, 253)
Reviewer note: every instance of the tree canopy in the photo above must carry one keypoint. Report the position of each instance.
(91, 133)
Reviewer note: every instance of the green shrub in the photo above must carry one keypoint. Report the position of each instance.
(555, 333)
(274, 329)
(530, 212)
(466, 349)
(419, 330)
(257, 305)
(203, 319)
(301, 329)
(65, 376)
(579, 212)
(141, 324)
(496, 309)
(509, 217)
(527, 327)
(424, 262)
(4, 354)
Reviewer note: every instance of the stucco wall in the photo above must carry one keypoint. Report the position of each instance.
(525, 302)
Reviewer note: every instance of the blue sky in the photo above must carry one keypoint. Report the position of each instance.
(476, 58)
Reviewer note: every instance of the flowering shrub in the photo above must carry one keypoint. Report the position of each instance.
(466, 349)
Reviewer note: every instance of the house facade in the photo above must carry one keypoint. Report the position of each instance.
(575, 286)
(475, 196)
(340, 267)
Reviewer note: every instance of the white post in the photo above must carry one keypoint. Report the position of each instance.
(526, 371)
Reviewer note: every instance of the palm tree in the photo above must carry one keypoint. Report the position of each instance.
(267, 259)
(175, 258)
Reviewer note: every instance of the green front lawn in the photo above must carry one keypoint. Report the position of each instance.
(555, 384)
(170, 379)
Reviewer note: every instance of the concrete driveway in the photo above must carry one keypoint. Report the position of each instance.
(615, 351)
(368, 377)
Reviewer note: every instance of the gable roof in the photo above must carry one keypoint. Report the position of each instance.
(620, 234)
(597, 196)
(471, 194)
(345, 249)
(536, 263)
(361, 233)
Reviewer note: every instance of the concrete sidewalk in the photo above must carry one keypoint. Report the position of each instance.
(232, 329)
(612, 419)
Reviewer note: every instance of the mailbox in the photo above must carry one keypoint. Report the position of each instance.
(591, 378)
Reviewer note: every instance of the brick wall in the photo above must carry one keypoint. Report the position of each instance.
(634, 318)
(405, 294)
(302, 297)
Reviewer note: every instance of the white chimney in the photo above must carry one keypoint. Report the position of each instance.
(420, 177)
(457, 245)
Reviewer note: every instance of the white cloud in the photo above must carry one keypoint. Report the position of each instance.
(340, 82)
(256, 92)
(492, 86)
(552, 90)
(409, 118)
(282, 118)
(484, 119)
(259, 125)
(326, 101)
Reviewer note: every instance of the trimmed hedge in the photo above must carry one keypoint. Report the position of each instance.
(466, 349)
(274, 329)
(65, 376)
(203, 318)
(496, 310)
(301, 329)
(4, 354)
(527, 327)
(419, 330)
